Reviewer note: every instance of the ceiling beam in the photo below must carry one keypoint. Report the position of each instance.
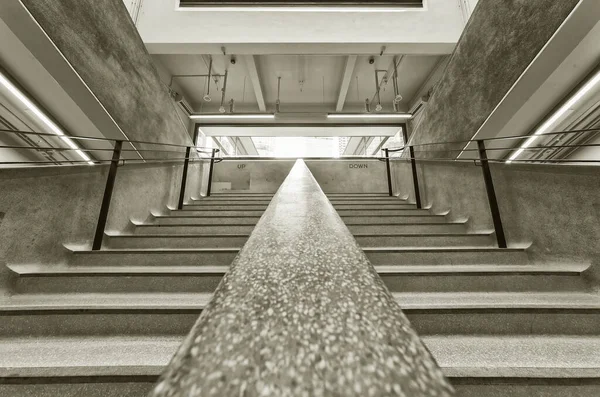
(255, 80)
(348, 72)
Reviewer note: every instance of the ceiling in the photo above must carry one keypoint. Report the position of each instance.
(308, 82)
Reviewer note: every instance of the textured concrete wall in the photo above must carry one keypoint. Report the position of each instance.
(555, 208)
(100, 41)
(250, 175)
(499, 42)
(352, 176)
(47, 207)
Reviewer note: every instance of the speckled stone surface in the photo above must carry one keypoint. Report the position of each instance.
(302, 313)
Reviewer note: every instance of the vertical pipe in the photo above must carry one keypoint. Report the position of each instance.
(491, 193)
(184, 177)
(413, 164)
(389, 174)
(108, 190)
(210, 172)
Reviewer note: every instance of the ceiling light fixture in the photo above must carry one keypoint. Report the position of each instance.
(297, 9)
(42, 117)
(548, 124)
(231, 116)
(369, 116)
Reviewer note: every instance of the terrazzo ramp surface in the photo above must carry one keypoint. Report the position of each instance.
(107, 323)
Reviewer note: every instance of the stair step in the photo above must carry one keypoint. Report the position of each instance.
(446, 255)
(424, 239)
(392, 219)
(192, 228)
(348, 205)
(240, 193)
(228, 207)
(415, 228)
(380, 212)
(466, 313)
(215, 213)
(483, 278)
(459, 356)
(227, 202)
(117, 279)
(358, 194)
(232, 200)
(206, 220)
(175, 240)
(406, 278)
(371, 200)
(154, 257)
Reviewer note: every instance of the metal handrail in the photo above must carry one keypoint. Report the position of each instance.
(483, 161)
(114, 163)
(512, 137)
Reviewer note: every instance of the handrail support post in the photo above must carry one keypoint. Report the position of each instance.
(415, 175)
(491, 193)
(210, 172)
(184, 178)
(389, 173)
(108, 190)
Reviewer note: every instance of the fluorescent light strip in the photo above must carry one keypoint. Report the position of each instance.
(369, 116)
(53, 127)
(299, 9)
(557, 115)
(231, 116)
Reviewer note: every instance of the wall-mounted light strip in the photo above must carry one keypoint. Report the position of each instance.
(548, 124)
(230, 116)
(369, 116)
(43, 118)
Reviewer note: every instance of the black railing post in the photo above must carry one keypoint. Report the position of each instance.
(491, 193)
(108, 190)
(184, 178)
(210, 172)
(413, 164)
(389, 173)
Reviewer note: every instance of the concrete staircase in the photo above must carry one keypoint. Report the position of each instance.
(107, 323)
(498, 323)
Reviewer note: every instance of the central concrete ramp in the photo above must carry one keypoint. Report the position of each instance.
(302, 312)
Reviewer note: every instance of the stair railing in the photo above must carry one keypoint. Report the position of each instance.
(192, 153)
(482, 159)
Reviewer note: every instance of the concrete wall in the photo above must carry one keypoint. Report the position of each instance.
(250, 175)
(43, 208)
(499, 42)
(101, 43)
(556, 208)
(352, 176)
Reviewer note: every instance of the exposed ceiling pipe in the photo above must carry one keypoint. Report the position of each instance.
(278, 102)
(223, 90)
(397, 96)
(378, 107)
(207, 97)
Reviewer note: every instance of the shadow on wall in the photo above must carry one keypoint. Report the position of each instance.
(552, 207)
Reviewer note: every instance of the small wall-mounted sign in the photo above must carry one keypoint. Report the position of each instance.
(241, 166)
(358, 166)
